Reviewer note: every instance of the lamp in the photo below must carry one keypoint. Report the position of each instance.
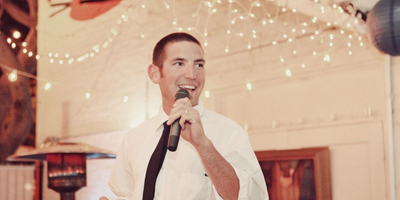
(66, 164)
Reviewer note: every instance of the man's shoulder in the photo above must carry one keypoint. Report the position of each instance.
(144, 126)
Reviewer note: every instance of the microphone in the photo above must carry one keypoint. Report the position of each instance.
(175, 131)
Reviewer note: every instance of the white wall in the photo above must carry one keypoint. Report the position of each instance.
(342, 104)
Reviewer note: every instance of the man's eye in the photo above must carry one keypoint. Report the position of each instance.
(200, 65)
(178, 63)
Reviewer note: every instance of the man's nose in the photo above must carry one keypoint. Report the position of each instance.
(190, 72)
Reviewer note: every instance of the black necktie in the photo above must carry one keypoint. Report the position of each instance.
(155, 164)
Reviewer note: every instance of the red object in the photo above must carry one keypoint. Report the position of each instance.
(66, 173)
(90, 10)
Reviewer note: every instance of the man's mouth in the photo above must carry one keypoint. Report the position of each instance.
(187, 87)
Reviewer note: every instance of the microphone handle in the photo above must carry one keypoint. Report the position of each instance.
(174, 135)
(175, 132)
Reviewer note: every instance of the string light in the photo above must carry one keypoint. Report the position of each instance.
(249, 86)
(125, 98)
(16, 34)
(12, 76)
(207, 94)
(288, 72)
(327, 58)
(47, 86)
(243, 14)
(87, 95)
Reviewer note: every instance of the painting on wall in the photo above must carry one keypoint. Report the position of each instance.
(297, 174)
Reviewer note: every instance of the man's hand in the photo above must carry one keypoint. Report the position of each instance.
(192, 128)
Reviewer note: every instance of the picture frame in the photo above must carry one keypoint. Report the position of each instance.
(297, 174)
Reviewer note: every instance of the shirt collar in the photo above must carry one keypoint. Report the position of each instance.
(162, 116)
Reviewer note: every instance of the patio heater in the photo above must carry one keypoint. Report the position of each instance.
(66, 164)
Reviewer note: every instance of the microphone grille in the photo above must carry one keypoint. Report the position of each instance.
(182, 93)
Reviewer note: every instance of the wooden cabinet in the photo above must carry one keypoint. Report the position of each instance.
(297, 174)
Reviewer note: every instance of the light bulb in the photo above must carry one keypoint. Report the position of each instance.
(327, 58)
(248, 86)
(16, 34)
(12, 76)
(47, 86)
(125, 99)
(207, 94)
(288, 72)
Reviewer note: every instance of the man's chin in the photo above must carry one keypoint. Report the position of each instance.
(194, 102)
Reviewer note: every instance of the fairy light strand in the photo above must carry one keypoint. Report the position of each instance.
(245, 14)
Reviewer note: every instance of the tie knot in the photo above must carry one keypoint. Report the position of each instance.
(166, 126)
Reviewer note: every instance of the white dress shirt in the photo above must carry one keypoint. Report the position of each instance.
(183, 176)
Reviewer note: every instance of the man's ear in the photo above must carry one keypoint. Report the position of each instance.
(154, 73)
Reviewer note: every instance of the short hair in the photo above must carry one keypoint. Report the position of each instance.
(159, 49)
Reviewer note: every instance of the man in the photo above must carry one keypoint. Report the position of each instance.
(214, 160)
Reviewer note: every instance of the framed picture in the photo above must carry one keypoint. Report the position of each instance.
(297, 174)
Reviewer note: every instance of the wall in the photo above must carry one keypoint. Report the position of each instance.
(342, 104)
(395, 138)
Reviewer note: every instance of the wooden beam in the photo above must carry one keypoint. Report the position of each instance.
(16, 13)
(19, 119)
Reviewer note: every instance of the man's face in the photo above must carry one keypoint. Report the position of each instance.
(183, 67)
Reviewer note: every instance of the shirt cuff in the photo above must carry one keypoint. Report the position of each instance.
(243, 185)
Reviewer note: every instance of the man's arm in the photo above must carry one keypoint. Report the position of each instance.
(219, 170)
